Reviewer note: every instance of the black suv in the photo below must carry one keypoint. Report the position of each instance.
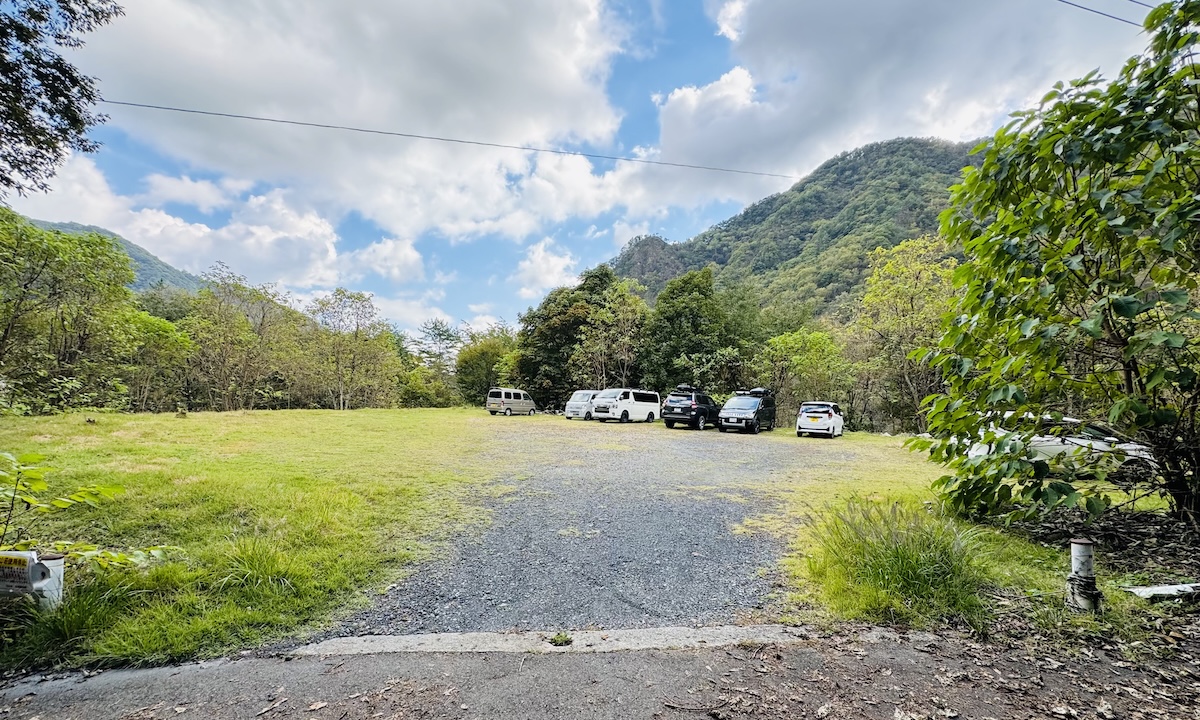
(686, 404)
(748, 411)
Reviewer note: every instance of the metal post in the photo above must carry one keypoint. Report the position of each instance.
(1082, 593)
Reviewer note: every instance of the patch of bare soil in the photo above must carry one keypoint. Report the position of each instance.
(880, 675)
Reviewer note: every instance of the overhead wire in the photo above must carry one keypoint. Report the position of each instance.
(1100, 12)
(436, 138)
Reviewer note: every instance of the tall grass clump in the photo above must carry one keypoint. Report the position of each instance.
(897, 565)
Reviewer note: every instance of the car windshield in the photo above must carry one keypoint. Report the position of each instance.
(742, 403)
(677, 398)
(814, 408)
(581, 396)
(608, 394)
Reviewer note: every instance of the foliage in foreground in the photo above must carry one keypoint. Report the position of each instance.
(1082, 232)
(897, 565)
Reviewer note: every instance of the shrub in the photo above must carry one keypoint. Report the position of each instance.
(899, 566)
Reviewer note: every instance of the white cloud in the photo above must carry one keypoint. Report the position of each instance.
(543, 269)
(204, 195)
(480, 308)
(729, 18)
(394, 259)
(408, 313)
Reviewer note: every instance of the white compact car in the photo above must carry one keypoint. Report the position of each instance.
(1076, 439)
(820, 418)
(580, 405)
(625, 404)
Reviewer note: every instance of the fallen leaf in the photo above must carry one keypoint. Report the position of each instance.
(317, 705)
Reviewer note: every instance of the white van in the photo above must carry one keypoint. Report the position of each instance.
(510, 401)
(625, 404)
(580, 405)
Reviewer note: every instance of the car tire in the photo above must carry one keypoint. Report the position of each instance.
(721, 428)
(531, 412)
(701, 423)
(669, 423)
(799, 434)
(492, 412)
(587, 416)
(625, 416)
(650, 418)
(507, 412)
(757, 428)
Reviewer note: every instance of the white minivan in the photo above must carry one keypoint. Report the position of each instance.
(625, 404)
(580, 405)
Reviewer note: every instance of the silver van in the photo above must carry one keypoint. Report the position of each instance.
(510, 401)
(580, 405)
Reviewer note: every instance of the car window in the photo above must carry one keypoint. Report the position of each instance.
(644, 398)
(508, 396)
(608, 394)
(625, 396)
(494, 394)
(742, 402)
(815, 407)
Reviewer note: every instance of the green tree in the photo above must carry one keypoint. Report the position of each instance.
(477, 367)
(610, 342)
(804, 365)
(910, 289)
(550, 334)
(45, 102)
(1081, 229)
(687, 328)
(356, 347)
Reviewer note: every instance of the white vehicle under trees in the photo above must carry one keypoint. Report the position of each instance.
(625, 405)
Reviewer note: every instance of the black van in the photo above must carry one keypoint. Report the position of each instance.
(748, 411)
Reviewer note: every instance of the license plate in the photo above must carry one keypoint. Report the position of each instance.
(733, 421)
(814, 419)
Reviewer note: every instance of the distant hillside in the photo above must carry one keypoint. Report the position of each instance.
(811, 243)
(148, 269)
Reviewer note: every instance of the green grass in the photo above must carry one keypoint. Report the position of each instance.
(282, 518)
(897, 565)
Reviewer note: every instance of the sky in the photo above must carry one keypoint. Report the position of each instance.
(479, 234)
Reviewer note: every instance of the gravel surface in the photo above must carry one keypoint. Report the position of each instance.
(611, 526)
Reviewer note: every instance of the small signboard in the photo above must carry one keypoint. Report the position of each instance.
(21, 573)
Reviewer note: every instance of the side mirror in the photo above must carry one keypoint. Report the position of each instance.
(1112, 440)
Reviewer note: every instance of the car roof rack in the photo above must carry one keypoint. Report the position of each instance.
(684, 387)
(755, 392)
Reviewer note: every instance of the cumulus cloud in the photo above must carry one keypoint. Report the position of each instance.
(472, 69)
(408, 312)
(544, 269)
(394, 259)
(204, 195)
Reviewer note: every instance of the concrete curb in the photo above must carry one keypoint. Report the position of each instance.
(583, 641)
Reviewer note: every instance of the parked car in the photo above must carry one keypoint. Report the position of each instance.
(748, 411)
(625, 404)
(820, 418)
(686, 404)
(1081, 441)
(580, 404)
(510, 401)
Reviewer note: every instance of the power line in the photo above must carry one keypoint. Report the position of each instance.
(459, 141)
(1139, 2)
(1099, 12)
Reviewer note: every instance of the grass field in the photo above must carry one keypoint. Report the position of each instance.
(281, 517)
(283, 520)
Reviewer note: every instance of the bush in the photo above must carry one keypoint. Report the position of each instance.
(897, 566)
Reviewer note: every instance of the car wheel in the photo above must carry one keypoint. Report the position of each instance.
(625, 416)
(721, 428)
(650, 417)
(587, 416)
(531, 413)
(757, 428)
(492, 412)
(799, 434)
(700, 423)
(669, 423)
(508, 411)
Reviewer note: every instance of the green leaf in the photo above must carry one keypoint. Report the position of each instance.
(1092, 326)
(1126, 306)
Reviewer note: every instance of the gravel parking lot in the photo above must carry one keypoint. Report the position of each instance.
(611, 526)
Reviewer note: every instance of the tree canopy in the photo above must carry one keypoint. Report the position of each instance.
(1081, 229)
(45, 102)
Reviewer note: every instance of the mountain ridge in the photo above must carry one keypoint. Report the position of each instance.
(148, 268)
(812, 242)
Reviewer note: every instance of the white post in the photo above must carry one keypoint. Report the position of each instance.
(1082, 593)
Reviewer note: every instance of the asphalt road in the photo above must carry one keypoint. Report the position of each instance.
(610, 526)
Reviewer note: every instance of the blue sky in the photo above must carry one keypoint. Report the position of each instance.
(477, 234)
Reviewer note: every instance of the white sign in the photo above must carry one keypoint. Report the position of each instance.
(21, 573)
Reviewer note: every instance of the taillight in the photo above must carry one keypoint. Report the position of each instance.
(695, 405)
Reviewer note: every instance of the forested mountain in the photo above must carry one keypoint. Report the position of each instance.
(810, 244)
(148, 270)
